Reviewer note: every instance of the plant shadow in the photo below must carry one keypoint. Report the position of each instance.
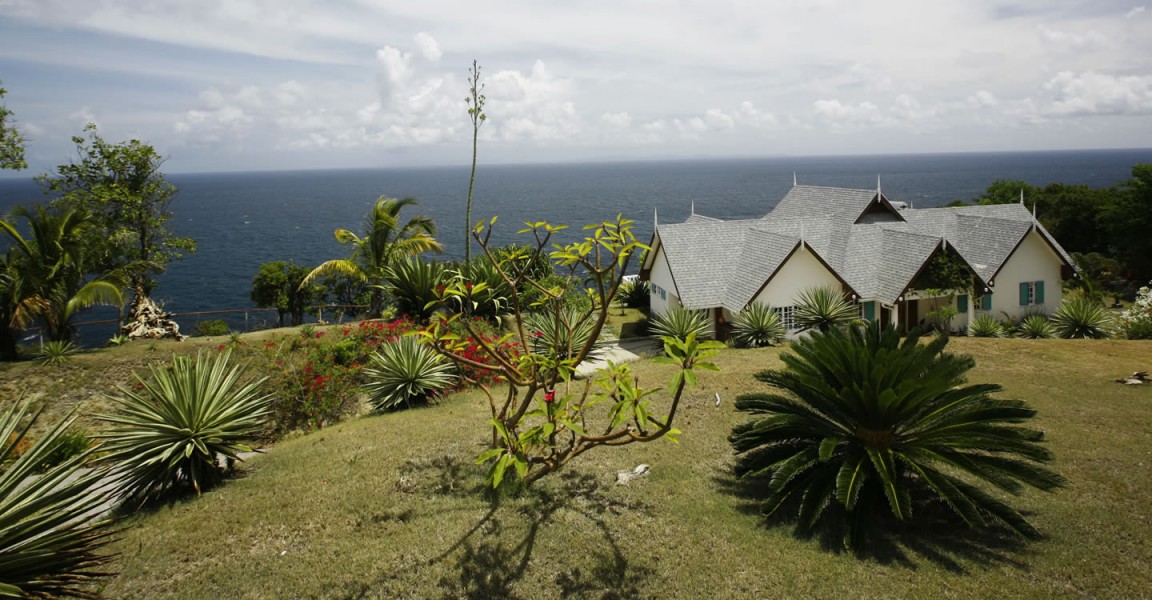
(936, 536)
(490, 560)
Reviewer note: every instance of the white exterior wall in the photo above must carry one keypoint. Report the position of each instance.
(1034, 260)
(660, 284)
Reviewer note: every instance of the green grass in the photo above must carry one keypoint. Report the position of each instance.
(390, 506)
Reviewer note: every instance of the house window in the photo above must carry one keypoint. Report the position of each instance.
(984, 302)
(657, 290)
(1031, 293)
(787, 317)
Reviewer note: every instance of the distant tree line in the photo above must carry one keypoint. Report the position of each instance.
(1108, 230)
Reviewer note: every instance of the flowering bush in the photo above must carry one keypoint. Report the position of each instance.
(314, 388)
(1137, 320)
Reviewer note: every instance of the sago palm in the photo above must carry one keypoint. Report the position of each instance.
(183, 427)
(52, 531)
(824, 308)
(863, 426)
(386, 241)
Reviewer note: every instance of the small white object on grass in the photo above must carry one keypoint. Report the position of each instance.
(717, 398)
(625, 477)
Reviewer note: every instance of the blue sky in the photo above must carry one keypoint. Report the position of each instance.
(287, 84)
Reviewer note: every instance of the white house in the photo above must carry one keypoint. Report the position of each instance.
(870, 247)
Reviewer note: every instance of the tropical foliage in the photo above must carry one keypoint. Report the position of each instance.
(407, 372)
(184, 427)
(386, 241)
(56, 352)
(635, 293)
(280, 285)
(986, 326)
(563, 332)
(11, 140)
(824, 308)
(51, 528)
(1036, 327)
(680, 322)
(1081, 317)
(863, 426)
(1136, 321)
(757, 325)
(413, 284)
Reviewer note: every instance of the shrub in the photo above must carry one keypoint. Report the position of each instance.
(57, 352)
(1082, 317)
(406, 371)
(1137, 320)
(71, 442)
(986, 326)
(1036, 327)
(634, 294)
(823, 308)
(757, 325)
(679, 323)
(317, 384)
(51, 530)
(172, 430)
(212, 328)
(862, 425)
(562, 333)
(482, 292)
(118, 340)
(413, 284)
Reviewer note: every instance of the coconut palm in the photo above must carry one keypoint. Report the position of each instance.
(823, 308)
(51, 530)
(862, 425)
(386, 241)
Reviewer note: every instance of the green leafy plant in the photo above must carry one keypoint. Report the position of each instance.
(317, 383)
(52, 532)
(562, 332)
(823, 308)
(1081, 317)
(71, 442)
(211, 328)
(1136, 321)
(183, 427)
(1036, 327)
(863, 426)
(634, 293)
(57, 352)
(413, 283)
(406, 372)
(986, 326)
(308, 331)
(757, 325)
(118, 340)
(679, 323)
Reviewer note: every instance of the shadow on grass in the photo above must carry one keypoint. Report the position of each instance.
(936, 536)
(490, 560)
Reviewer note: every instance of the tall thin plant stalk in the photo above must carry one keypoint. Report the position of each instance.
(475, 102)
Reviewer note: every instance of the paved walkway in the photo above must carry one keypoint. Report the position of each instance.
(619, 351)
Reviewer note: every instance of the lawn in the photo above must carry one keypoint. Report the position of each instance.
(391, 506)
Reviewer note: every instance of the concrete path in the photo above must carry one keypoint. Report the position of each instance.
(619, 351)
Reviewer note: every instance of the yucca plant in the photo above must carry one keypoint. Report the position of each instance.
(757, 325)
(56, 352)
(679, 322)
(563, 333)
(406, 371)
(52, 530)
(863, 427)
(1036, 327)
(634, 293)
(824, 308)
(986, 326)
(183, 427)
(1082, 317)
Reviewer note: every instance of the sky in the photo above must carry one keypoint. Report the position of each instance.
(228, 85)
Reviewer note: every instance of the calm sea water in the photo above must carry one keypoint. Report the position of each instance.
(241, 220)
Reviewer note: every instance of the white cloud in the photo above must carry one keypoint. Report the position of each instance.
(429, 49)
(1134, 11)
(1100, 94)
(838, 113)
(620, 120)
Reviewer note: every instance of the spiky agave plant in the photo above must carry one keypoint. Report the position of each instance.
(1036, 327)
(1082, 317)
(406, 371)
(184, 427)
(862, 425)
(986, 326)
(757, 325)
(679, 322)
(824, 308)
(52, 531)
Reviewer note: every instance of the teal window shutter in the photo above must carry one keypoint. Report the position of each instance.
(1039, 292)
(986, 301)
(1024, 293)
(870, 311)
(962, 303)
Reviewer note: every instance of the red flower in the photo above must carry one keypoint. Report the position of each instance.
(549, 395)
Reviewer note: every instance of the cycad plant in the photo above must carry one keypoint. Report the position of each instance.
(986, 326)
(1082, 317)
(406, 372)
(824, 308)
(757, 325)
(1036, 327)
(52, 531)
(184, 427)
(862, 426)
(679, 322)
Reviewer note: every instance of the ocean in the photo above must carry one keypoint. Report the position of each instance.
(241, 220)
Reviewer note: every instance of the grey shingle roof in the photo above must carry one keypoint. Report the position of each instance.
(724, 263)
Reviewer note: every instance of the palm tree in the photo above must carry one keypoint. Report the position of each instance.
(862, 425)
(823, 308)
(386, 241)
(44, 275)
